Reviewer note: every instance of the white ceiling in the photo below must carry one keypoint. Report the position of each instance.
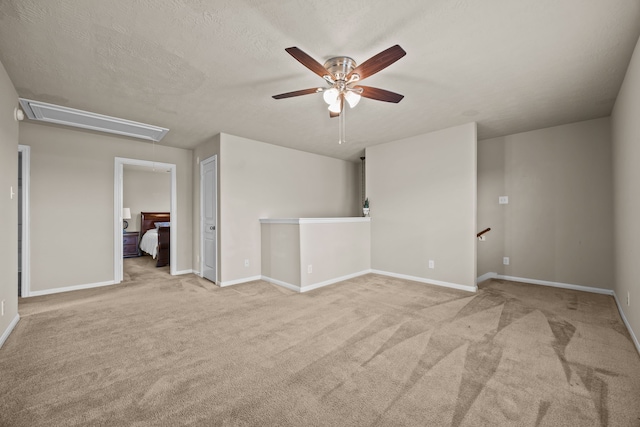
(201, 67)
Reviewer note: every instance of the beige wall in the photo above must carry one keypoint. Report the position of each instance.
(72, 187)
(280, 253)
(8, 206)
(334, 250)
(626, 188)
(422, 194)
(491, 185)
(145, 191)
(259, 180)
(558, 225)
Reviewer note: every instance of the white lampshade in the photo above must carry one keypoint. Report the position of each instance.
(352, 98)
(330, 95)
(335, 107)
(126, 213)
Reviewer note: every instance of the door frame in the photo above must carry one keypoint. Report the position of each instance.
(213, 159)
(117, 214)
(25, 268)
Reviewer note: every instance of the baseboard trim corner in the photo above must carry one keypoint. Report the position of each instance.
(238, 281)
(7, 332)
(634, 338)
(70, 288)
(281, 283)
(486, 276)
(467, 288)
(301, 289)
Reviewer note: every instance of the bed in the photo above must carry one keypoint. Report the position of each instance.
(155, 232)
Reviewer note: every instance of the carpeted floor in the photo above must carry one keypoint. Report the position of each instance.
(372, 351)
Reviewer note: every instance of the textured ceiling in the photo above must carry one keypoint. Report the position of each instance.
(201, 67)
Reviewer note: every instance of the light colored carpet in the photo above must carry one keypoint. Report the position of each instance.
(169, 351)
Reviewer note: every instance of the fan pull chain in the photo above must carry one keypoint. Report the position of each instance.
(341, 127)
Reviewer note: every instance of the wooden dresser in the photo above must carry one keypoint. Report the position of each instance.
(130, 244)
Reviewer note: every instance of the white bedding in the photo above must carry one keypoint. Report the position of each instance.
(149, 242)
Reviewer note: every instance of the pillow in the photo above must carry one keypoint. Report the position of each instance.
(162, 224)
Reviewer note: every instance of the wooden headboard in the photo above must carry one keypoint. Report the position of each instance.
(148, 220)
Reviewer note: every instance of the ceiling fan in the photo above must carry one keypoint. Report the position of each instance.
(343, 76)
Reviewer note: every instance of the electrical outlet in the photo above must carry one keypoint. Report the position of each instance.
(432, 264)
(310, 269)
(503, 200)
(628, 298)
(2, 309)
(505, 260)
(246, 263)
(482, 238)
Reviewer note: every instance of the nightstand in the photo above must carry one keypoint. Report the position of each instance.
(130, 242)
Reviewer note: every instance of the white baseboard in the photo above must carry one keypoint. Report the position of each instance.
(334, 280)
(69, 288)
(289, 286)
(467, 288)
(634, 338)
(555, 284)
(486, 276)
(238, 281)
(181, 272)
(9, 329)
(311, 287)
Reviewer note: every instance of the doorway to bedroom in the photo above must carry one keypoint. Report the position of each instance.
(144, 204)
(146, 201)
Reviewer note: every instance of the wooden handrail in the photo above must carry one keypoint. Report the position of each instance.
(483, 231)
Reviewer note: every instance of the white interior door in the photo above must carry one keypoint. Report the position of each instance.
(209, 208)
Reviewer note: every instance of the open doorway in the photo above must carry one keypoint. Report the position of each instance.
(119, 221)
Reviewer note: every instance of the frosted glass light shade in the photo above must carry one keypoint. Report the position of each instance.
(352, 98)
(335, 107)
(330, 95)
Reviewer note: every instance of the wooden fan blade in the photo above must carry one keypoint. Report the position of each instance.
(378, 62)
(380, 94)
(297, 93)
(333, 115)
(308, 62)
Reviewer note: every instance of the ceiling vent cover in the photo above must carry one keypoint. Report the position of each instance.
(51, 113)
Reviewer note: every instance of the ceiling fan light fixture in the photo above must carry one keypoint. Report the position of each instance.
(352, 98)
(330, 95)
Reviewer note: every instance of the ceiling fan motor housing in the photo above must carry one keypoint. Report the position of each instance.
(340, 66)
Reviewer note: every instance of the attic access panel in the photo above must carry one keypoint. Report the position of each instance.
(51, 113)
